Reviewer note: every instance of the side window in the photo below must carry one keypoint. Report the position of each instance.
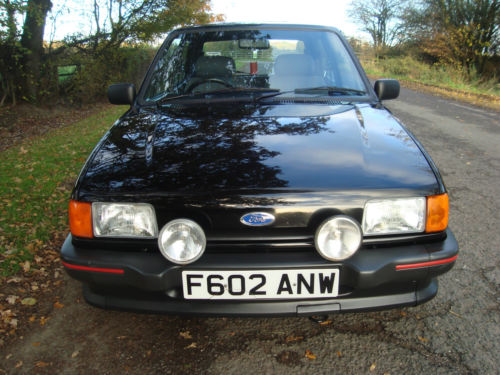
(170, 71)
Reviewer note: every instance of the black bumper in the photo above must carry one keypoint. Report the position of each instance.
(369, 280)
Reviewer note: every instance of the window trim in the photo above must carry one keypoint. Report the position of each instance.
(370, 93)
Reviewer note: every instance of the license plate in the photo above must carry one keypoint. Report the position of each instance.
(258, 284)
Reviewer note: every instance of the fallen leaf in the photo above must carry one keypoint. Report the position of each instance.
(186, 335)
(22, 150)
(14, 279)
(11, 299)
(310, 355)
(325, 323)
(36, 344)
(42, 364)
(29, 301)
(373, 367)
(403, 313)
(58, 305)
(13, 323)
(423, 339)
(32, 318)
(75, 353)
(19, 364)
(148, 353)
(8, 356)
(17, 180)
(191, 346)
(339, 354)
(43, 320)
(121, 337)
(294, 338)
(26, 266)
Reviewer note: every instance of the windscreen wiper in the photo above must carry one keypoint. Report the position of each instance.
(226, 91)
(276, 93)
(330, 90)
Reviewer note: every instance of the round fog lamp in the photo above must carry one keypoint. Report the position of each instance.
(182, 241)
(338, 238)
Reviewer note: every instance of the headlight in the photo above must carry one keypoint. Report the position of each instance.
(394, 216)
(182, 241)
(338, 238)
(132, 220)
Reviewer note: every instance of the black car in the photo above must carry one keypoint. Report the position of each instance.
(257, 172)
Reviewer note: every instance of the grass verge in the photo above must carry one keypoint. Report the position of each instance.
(36, 179)
(443, 81)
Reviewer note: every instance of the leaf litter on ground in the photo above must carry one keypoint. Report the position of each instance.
(37, 176)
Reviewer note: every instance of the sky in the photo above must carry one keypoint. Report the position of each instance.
(318, 12)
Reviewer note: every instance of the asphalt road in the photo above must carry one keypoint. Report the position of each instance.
(458, 332)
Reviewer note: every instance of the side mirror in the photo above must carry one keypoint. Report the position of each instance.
(121, 93)
(387, 89)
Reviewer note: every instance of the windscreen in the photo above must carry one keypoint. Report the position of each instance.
(286, 60)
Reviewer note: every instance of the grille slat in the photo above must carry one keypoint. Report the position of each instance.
(260, 244)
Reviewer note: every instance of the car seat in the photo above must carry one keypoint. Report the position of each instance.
(214, 68)
(292, 71)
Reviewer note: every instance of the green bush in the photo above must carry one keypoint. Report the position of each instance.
(410, 69)
(97, 71)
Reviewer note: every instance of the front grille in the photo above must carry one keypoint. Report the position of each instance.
(264, 245)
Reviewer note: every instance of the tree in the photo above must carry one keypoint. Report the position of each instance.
(9, 47)
(117, 21)
(379, 18)
(21, 53)
(32, 43)
(27, 68)
(118, 26)
(458, 32)
(8, 13)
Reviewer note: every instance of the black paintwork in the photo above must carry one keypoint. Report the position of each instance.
(296, 160)
(122, 93)
(306, 148)
(387, 89)
(302, 160)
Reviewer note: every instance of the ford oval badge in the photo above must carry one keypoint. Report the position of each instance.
(257, 219)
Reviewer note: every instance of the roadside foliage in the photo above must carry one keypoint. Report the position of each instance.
(37, 178)
(453, 44)
(114, 48)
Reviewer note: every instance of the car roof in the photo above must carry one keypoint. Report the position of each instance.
(237, 25)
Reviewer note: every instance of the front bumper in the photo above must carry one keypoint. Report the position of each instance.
(379, 278)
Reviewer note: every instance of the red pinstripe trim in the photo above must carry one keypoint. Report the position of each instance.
(426, 264)
(93, 269)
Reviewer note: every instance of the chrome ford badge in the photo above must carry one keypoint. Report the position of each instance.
(257, 219)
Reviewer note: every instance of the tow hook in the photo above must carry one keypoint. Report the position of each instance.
(318, 318)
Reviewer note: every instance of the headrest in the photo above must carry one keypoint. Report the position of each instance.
(293, 64)
(214, 66)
